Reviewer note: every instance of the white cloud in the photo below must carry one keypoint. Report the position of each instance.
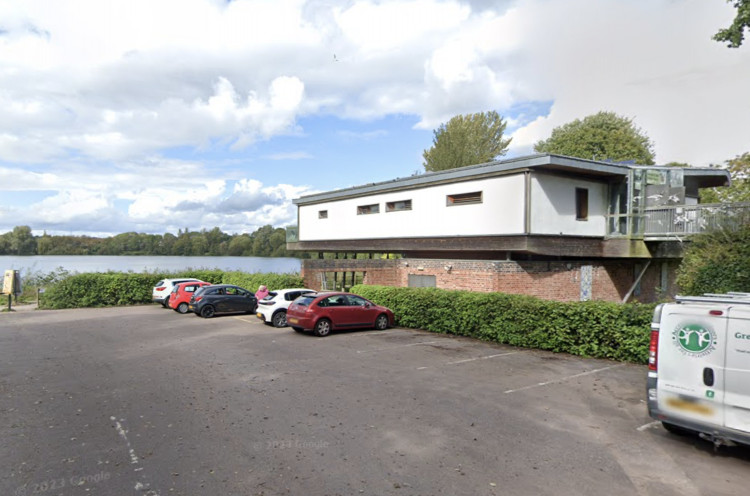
(97, 95)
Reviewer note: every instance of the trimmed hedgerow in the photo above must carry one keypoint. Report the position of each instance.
(128, 288)
(592, 329)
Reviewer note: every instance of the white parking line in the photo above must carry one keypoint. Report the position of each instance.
(648, 426)
(563, 379)
(482, 357)
(377, 333)
(139, 486)
(248, 320)
(475, 359)
(396, 347)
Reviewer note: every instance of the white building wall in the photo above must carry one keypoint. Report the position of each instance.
(500, 213)
(553, 206)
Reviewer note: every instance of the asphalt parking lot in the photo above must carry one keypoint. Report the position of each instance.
(142, 400)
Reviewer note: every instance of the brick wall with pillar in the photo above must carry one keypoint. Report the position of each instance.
(558, 280)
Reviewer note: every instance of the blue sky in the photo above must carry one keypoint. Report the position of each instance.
(154, 116)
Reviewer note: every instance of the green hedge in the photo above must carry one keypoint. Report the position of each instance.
(592, 329)
(118, 288)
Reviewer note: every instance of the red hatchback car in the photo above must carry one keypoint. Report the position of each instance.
(181, 293)
(324, 312)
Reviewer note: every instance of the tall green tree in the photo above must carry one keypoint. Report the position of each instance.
(22, 241)
(601, 136)
(734, 35)
(739, 191)
(716, 262)
(467, 140)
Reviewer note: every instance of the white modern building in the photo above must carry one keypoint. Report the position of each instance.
(515, 225)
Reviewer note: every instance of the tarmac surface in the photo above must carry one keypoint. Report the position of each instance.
(144, 401)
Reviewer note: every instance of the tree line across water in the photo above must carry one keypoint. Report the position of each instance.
(266, 241)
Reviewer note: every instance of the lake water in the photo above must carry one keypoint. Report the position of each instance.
(85, 263)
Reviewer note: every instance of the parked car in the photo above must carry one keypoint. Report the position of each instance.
(699, 372)
(272, 308)
(179, 300)
(163, 289)
(222, 298)
(324, 312)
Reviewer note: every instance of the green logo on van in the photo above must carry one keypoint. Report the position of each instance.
(694, 340)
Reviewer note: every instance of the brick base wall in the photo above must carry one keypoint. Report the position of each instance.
(560, 281)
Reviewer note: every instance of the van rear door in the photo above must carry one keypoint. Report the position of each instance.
(737, 375)
(691, 362)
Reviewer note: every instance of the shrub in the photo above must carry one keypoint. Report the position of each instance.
(716, 262)
(592, 329)
(129, 288)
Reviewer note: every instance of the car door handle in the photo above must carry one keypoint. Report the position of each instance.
(708, 376)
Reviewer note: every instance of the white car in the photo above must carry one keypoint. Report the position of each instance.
(272, 308)
(163, 289)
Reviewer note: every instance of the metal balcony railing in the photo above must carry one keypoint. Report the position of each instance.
(680, 220)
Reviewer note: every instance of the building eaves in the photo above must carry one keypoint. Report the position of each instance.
(498, 167)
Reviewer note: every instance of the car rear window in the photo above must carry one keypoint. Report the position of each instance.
(160, 283)
(292, 295)
(304, 301)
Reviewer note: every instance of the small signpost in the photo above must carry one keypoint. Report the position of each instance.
(12, 285)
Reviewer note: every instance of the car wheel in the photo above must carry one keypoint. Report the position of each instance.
(182, 307)
(381, 322)
(298, 329)
(165, 303)
(322, 328)
(279, 319)
(207, 312)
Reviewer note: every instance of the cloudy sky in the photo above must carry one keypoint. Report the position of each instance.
(155, 115)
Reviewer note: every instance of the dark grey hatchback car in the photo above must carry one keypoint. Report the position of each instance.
(222, 298)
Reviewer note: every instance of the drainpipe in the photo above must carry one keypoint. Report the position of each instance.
(527, 203)
(637, 280)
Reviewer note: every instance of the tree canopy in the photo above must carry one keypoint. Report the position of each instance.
(716, 262)
(739, 191)
(734, 35)
(601, 136)
(266, 241)
(467, 140)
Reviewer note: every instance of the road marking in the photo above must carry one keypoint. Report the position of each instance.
(248, 320)
(376, 333)
(563, 379)
(475, 359)
(143, 487)
(482, 357)
(396, 347)
(123, 434)
(648, 426)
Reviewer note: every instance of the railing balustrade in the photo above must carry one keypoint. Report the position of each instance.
(682, 220)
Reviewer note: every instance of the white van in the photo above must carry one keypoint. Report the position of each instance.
(699, 367)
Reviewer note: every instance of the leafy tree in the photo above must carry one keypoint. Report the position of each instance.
(22, 242)
(716, 262)
(601, 136)
(241, 245)
(734, 35)
(739, 191)
(467, 140)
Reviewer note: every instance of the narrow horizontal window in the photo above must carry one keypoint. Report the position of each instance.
(464, 198)
(368, 209)
(322, 214)
(582, 204)
(395, 206)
